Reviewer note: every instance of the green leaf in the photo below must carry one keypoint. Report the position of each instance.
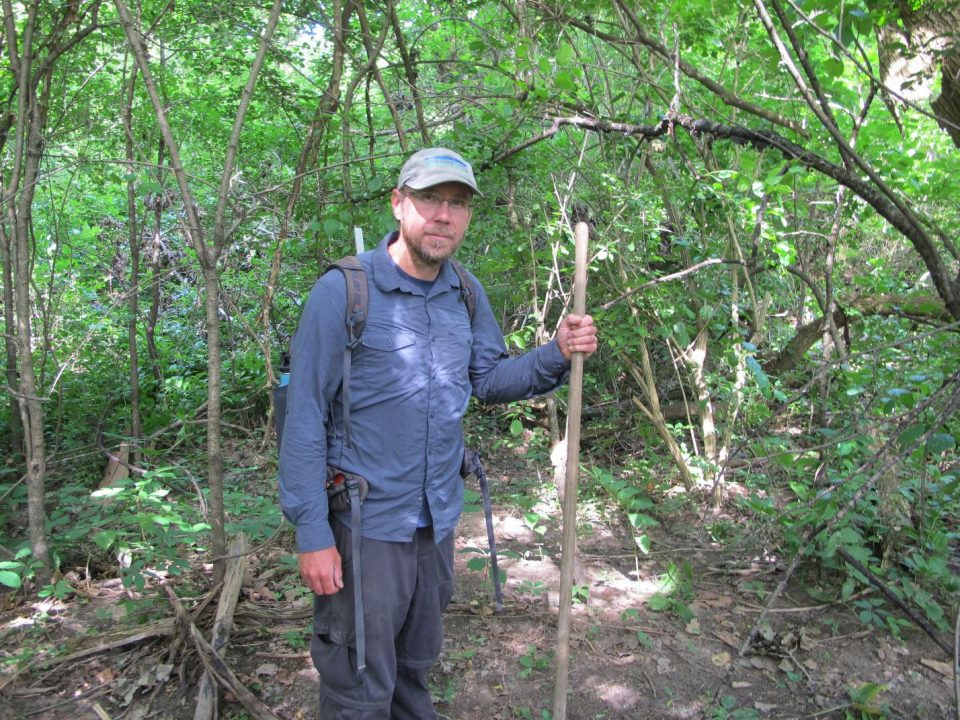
(643, 542)
(640, 520)
(477, 564)
(659, 603)
(516, 427)
(564, 81)
(832, 67)
(10, 579)
(149, 185)
(909, 436)
(940, 443)
(105, 538)
(564, 54)
(759, 375)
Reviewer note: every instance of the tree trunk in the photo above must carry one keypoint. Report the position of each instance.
(911, 50)
(28, 144)
(155, 296)
(136, 428)
(10, 344)
(218, 544)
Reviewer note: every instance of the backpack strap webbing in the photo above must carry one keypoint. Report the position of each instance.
(355, 318)
(467, 293)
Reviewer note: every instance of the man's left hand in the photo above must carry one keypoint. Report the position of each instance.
(577, 333)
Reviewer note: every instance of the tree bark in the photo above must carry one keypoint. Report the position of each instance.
(206, 705)
(10, 343)
(133, 300)
(911, 50)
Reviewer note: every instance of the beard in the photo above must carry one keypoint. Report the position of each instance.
(427, 249)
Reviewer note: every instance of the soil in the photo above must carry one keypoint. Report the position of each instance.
(811, 660)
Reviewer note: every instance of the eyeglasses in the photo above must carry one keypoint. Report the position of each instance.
(432, 201)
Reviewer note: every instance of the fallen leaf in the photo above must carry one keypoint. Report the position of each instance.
(763, 663)
(693, 627)
(105, 675)
(741, 684)
(664, 666)
(729, 638)
(266, 669)
(764, 707)
(721, 659)
(715, 600)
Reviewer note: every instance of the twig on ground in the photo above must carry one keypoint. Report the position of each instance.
(216, 666)
(206, 702)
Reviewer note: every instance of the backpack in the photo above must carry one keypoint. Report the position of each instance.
(355, 317)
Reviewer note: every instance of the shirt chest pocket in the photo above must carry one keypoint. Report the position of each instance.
(452, 355)
(386, 360)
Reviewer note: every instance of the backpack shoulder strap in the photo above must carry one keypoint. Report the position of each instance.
(358, 296)
(355, 317)
(467, 291)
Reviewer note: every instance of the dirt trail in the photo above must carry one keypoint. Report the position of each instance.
(626, 660)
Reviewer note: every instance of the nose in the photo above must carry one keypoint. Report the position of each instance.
(442, 211)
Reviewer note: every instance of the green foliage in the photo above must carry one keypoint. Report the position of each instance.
(728, 709)
(675, 590)
(480, 563)
(535, 588)
(138, 527)
(633, 501)
(664, 213)
(533, 660)
(863, 702)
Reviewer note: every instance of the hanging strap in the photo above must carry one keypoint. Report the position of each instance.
(473, 465)
(356, 540)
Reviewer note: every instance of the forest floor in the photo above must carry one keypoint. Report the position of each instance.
(812, 660)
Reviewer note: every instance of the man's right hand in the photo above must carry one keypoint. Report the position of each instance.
(321, 570)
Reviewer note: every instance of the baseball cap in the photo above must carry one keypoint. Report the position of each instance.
(433, 166)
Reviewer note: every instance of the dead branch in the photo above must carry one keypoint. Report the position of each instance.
(223, 622)
(891, 596)
(216, 666)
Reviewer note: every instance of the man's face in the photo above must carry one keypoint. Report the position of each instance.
(433, 221)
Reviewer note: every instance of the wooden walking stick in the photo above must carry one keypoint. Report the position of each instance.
(569, 542)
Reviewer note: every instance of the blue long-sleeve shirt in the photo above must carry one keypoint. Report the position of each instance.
(410, 381)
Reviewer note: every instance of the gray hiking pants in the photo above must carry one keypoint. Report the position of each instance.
(406, 586)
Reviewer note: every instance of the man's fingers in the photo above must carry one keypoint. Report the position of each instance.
(321, 571)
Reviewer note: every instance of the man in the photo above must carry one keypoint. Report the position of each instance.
(410, 380)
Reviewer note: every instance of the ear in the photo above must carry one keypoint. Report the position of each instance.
(395, 199)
